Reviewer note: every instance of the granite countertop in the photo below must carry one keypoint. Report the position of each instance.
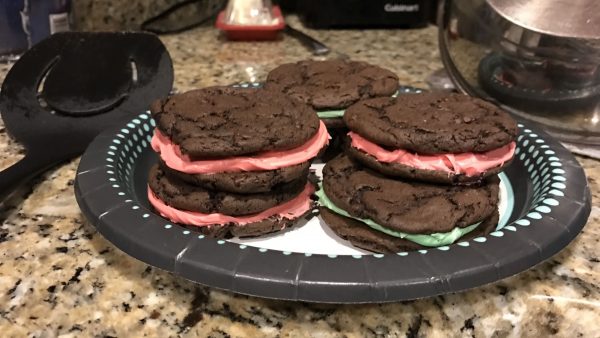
(58, 277)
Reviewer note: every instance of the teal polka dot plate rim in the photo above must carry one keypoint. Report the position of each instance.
(549, 205)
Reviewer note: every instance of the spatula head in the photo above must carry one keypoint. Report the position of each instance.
(69, 87)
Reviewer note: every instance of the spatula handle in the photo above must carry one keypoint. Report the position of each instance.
(22, 172)
(315, 46)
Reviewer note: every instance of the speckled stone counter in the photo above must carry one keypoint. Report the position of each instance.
(59, 278)
(94, 15)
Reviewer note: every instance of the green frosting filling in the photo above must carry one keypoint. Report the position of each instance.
(431, 240)
(331, 114)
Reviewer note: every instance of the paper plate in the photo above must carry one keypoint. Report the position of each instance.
(545, 202)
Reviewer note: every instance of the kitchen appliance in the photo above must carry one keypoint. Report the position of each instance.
(362, 14)
(538, 59)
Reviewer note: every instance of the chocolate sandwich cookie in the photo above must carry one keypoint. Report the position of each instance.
(426, 214)
(236, 140)
(435, 137)
(333, 85)
(243, 182)
(184, 196)
(372, 240)
(224, 121)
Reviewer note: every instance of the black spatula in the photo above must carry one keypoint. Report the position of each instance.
(69, 87)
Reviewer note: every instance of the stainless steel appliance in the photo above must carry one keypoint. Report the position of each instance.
(364, 14)
(538, 58)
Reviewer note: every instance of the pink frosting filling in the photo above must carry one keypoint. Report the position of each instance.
(291, 209)
(270, 160)
(470, 164)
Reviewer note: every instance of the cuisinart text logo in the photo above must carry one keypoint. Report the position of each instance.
(400, 8)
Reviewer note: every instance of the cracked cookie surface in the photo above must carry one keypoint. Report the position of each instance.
(332, 84)
(224, 121)
(432, 123)
(184, 196)
(409, 207)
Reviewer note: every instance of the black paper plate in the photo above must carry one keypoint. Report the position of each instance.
(546, 203)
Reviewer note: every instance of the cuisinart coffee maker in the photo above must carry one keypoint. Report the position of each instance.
(363, 14)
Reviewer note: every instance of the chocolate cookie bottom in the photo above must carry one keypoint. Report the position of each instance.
(269, 225)
(364, 237)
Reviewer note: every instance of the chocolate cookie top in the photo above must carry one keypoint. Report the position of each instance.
(431, 123)
(332, 84)
(225, 121)
(184, 196)
(409, 207)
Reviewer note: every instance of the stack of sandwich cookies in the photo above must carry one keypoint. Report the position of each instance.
(420, 171)
(332, 86)
(234, 162)
(382, 214)
(433, 137)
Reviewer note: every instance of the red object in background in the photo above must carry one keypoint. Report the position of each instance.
(251, 32)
